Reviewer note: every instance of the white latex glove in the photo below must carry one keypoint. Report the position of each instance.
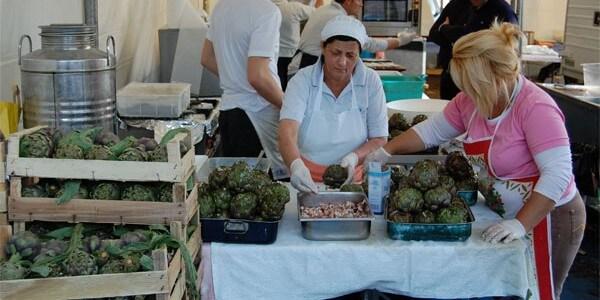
(300, 178)
(506, 231)
(379, 155)
(349, 162)
(405, 37)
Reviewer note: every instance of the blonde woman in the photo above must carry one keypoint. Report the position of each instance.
(517, 131)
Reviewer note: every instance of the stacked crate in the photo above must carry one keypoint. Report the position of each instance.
(168, 279)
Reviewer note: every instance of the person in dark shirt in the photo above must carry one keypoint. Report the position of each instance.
(459, 18)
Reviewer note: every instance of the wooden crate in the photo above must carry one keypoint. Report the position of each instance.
(166, 282)
(174, 170)
(182, 209)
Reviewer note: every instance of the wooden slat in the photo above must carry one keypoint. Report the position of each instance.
(3, 202)
(179, 290)
(5, 234)
(95, 211)
(160, 262)
(92, 286)
(99, 211)
(175, 170)
(195, 242)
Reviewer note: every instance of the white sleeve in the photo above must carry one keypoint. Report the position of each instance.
(374, 45)
(556, 170)
(301, 11)
(435, 130)
(265, 35)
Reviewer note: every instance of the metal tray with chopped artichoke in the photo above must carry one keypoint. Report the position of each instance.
(241, 204)
(425, 201)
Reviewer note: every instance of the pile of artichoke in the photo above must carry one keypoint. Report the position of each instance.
(397, 124)
(95, 144)
(73, 251)
(239, 192)
(427, 193)
(66, 190)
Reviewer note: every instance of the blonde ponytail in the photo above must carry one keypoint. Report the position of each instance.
(485, 62)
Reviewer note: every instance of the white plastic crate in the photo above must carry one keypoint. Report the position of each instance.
(153, 100)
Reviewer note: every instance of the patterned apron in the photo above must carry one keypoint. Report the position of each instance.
(513, 194)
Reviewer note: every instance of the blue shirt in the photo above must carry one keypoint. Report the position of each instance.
(302, 89)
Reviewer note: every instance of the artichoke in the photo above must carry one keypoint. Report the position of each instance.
(165, 192)
(91, 244)
(398, 172)
(458, 166)
(437, 198)
(159, 154)
(77, 261)
(395, 132)
(70, 151)
(458, 202)
(407, 200)
(493, 199)
(35, 191)
(37, 144)
(355, 188)
(83, 192)
(259, 180)
(218, 177)
(13, 268)
(127, 264)
(418, 119)
(335, 175)
(52, 188)
(452, 215)
(272, 201)
(106, 191)
(424, 175)
(467, 184)
(106, 138)
(24, 243)
(400, 217)
(136, 236)
(447, 183)
(397, 121)
(222, 200)
(149, 144)
(138, 192)
(99, 152)
(51, 248)
(425, 217)
(240, 178)
(206, 205)
(243, 206)
(134, 154)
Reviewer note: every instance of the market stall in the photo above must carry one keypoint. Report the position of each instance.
(296, 268)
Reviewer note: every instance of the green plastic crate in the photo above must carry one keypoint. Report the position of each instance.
(403, 87)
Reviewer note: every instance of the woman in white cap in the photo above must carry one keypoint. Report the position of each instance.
(334, 111)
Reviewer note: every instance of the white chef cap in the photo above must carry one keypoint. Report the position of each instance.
(346, 26)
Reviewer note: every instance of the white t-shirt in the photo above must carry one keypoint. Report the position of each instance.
(292, 13)
(310, 40)
(240, 29)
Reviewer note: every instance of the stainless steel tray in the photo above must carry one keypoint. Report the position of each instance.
(334, 229)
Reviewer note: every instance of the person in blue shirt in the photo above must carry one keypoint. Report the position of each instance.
(334, 111)
(459, 18)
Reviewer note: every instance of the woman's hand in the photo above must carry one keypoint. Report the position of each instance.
(505, 231)
(350, 161)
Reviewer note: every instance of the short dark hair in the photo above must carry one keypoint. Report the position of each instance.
(340, 1)
(343, 38)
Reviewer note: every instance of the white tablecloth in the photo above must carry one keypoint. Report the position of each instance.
(295, 268)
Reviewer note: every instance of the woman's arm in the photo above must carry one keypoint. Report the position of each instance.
(535, 209)
(288, 141)
(368, 147)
